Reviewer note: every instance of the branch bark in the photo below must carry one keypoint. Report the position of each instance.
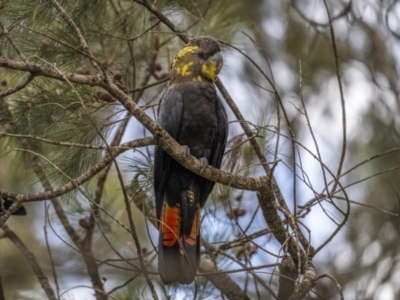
(221, 281)
(287, 278)
(307, 283)
(275, 224)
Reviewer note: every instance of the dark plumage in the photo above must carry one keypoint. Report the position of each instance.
(20, 211)
(192, 113)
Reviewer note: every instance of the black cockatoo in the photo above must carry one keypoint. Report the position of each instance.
(192, 113)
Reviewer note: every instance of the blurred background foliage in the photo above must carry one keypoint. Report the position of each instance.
(291, 42)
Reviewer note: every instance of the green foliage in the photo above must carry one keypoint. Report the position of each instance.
(52, 110)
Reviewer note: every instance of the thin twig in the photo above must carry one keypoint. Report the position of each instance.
(13, 43)
(19, 87)
(342, 100)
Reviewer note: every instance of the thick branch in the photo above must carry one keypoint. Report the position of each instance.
(275, 224)
(39, 70)
(287, 278)
(307, 283)
(221, 281)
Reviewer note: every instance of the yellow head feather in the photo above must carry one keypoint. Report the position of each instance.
(199, 60)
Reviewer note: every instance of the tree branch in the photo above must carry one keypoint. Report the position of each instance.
(287, 278)
(19, 87)
(30, 257)
(275, 224)
(73, 26)
(221, 281)
(86, 252)
(307, 283)
(19, 198)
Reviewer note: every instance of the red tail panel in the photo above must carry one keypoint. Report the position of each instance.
(170, 225)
